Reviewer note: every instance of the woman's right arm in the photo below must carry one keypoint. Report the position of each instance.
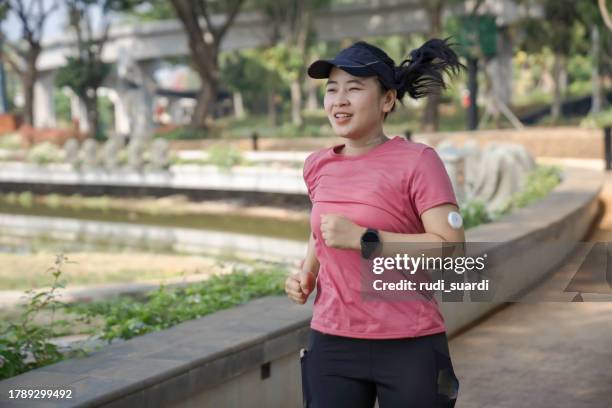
(300, 285)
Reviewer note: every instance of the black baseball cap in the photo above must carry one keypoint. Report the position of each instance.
(359, 59)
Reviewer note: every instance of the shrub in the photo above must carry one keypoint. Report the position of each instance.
(474, 213)
(126, 317)
(10, 142)
(540, 182)
(25, 345)
(45, 153)
(184, 133)
(225, 156)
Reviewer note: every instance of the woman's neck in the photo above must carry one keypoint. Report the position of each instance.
(363, 144)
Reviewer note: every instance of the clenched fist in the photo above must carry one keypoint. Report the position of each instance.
(299, 285)
(340, 232)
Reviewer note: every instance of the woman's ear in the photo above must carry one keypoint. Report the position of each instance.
(389, 100)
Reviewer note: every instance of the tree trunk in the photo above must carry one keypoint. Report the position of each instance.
(29, 79)
(596, 84)
(28, 95)
(204, 46)
(208, 72)
(312, 103)
(431, 113)
(296, 103)
(272, 113)
(239, 110)
(205, 99)
(93, 120)
(555, 111)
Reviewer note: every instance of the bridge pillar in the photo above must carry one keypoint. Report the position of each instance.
(121, 97)
(143, 102)
(44, 105)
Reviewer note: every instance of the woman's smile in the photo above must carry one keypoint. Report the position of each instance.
(342, 118)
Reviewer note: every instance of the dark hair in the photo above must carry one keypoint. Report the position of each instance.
(422, 73)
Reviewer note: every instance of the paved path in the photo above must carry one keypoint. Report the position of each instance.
(541, 354)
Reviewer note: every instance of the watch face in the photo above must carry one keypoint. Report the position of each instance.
(369, 243)
(370, 237)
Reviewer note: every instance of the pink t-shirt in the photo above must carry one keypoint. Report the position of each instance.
(387, 188)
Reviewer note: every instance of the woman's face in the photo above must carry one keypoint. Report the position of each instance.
(355, 106)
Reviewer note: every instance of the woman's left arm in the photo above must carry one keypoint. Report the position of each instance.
(340, 232)
(437, 229)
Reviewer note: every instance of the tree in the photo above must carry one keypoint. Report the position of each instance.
(245, 74)
(435, 10)
(85, 72)
(556, 31)
(32, 16)
(204, 45)
(291, 22)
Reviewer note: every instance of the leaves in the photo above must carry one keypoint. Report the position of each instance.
(126, 318)
(25, 345)
(81, 76)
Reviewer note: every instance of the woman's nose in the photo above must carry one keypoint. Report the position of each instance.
(341, 99)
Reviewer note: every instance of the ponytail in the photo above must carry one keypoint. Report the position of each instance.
(423, 72)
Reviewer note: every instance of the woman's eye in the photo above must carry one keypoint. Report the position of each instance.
(331, 90)
(354, 89)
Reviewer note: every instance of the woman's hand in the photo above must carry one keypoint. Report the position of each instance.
(340, 232)
(299, 286)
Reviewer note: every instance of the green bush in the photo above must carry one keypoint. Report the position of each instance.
(25, 345)
(474, 213)
(126, 318)
(225, 156)
(184, 133)
(540, 182)
(45, 153)
(10, 142)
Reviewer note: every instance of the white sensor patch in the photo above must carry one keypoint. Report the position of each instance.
(455, 220)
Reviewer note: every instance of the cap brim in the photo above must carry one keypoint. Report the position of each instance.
(321, 68)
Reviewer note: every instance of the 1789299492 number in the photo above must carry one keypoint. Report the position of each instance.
(40, 394)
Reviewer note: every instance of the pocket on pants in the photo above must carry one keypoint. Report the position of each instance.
(447, 382)
(304, 372)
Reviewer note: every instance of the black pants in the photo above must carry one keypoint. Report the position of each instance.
(340, 372)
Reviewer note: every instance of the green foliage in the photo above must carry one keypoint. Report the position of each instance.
(540, 182)
(45, 153)
(24, 345)
(244, 71)
(25, 199)
(284, 60)
(10, 141)
(598, 120)
(62, 106)
(474, 213)
(225, 156)
(107, 118)
(559, 30)
(185, 133)
(126, 318)
(81, 76)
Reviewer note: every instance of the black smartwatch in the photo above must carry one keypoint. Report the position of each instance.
(370, 243)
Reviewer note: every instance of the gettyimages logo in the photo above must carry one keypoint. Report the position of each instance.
(489, 272)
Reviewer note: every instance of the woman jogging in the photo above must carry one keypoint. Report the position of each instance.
(367, 192)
